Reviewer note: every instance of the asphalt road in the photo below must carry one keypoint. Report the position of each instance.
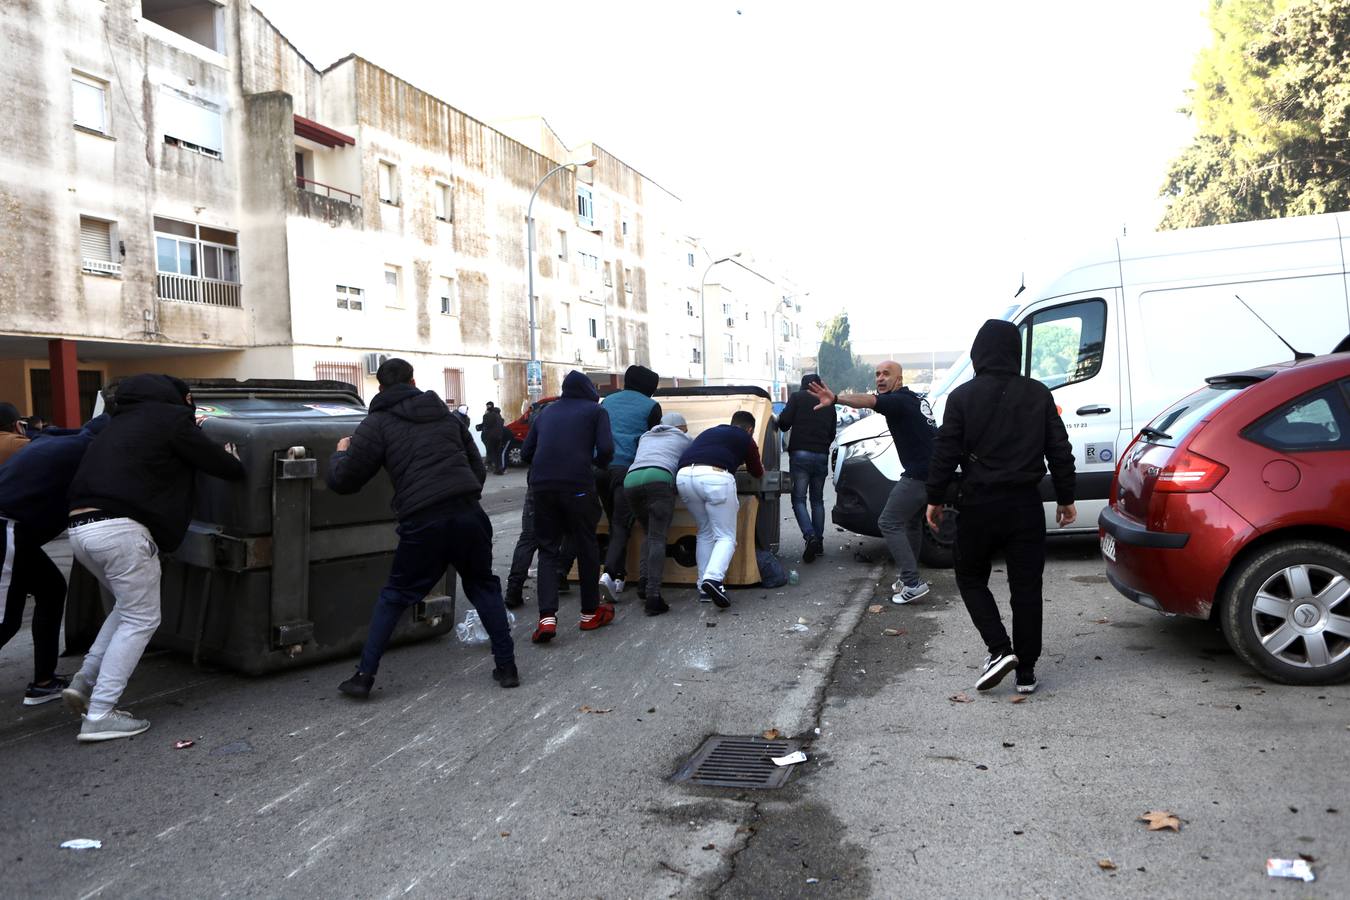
(445, 785)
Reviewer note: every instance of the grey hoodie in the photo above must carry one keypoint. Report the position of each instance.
(661, 448)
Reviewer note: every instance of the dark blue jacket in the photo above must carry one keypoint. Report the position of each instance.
(567, 438)
(726, 447)
(33, 484)
(912, 426)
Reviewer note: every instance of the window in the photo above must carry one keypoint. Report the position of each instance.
(691, 260)
(609, 275)
(694, 355)
(689, 308)
(726, 310)
(454, 387)
(190, 123)
(565, 320)
(628, 280)
(96, 243)
(591, 329)
(1316, 421)
(448, 305)
(350, 373)
(199, 251)
(589, 260)
(624, 227)
(562, 244)
(349, 297)
(443, 200)
(730, 354)
(196, 20)
(585, 206)
(90, 97)
(1063, 345)
(393, 286)
(388, 183)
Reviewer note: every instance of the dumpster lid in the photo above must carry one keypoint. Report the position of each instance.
(267, 398)
(713, 390)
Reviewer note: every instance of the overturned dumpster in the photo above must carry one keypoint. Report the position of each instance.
(276, 571)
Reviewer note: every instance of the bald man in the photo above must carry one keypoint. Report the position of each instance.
(912, 426)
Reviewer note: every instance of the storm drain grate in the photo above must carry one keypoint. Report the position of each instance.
(738, 762)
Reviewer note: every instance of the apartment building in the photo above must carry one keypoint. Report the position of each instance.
(187, 193)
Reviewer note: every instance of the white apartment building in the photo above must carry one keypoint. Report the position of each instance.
(188, 193)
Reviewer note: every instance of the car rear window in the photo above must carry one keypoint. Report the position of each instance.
(1179, 419)
(1316, 421)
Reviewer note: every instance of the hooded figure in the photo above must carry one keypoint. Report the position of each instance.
(1001, 428)
(808, 428)
(493, 430)
(632, 412)
(810, 433)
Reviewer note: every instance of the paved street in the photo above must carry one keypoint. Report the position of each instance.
(445, 785)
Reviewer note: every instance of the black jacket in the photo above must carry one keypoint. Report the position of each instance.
(568, 437)
(491, 426)
(1000, 427)
(809, 428)
(34, 483)
(143, 464)
(428, 453)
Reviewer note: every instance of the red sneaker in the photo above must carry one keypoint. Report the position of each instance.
(603, 615)
(547, 630)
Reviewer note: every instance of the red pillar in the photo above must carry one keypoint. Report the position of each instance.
(65, 383)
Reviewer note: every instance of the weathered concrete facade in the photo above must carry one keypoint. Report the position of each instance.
(185, 192)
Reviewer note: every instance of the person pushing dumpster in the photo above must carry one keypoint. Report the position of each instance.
(438, 479)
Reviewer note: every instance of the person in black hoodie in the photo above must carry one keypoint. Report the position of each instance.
(491, 428)
(567, 439)
(1001, 428)
(810, 432)
(33, 488)
(131, 498)
(438, 479)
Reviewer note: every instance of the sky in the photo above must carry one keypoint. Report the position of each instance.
(909, 161)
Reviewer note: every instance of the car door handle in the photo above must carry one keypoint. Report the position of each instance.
(1093, 410)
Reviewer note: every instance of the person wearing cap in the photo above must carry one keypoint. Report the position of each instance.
(632, 413)
(33, 509)
(131, 498)
(649, 488)
(12, 439)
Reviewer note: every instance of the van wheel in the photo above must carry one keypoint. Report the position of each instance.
(937, 549)
(1286, 613)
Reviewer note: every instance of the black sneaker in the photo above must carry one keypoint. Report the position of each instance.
(654, 606)
(642, 589)
(507, 676)
(1026, 681)
(716, 592)
(809, 554)
(358, 685)
(39, 694)
(820, 546)
(514, 599)
(996, 667)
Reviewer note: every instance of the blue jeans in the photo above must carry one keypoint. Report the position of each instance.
(809, 471)
(459, 536)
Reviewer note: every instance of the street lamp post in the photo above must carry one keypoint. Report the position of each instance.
(703, 310)
(534, 370)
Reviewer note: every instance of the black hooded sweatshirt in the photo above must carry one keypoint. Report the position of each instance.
(1001, 428)
(429, 455)
(568, 437)
(808, 428)
(143, 464)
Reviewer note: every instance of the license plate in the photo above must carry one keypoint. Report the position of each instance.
(1109, 546)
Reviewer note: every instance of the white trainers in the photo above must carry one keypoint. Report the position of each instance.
(611, 588)
(76, 696)
(117, 724)
(908, 593)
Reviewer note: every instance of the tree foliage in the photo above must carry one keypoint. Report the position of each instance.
(837, 365)
(1272, 108)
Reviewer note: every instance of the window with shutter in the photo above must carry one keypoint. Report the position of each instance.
(90, 98)
(96, 247)
(190, 123)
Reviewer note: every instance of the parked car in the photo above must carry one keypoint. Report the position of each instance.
(518, 429)
(1119, 336)
(1235, 503)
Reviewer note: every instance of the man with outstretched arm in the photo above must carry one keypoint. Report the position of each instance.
(1001, 428)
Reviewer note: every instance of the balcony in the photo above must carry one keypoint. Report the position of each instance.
(327, 190)
(193, 289)
(101, 267)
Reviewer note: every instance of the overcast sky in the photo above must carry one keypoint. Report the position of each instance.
(910, 160)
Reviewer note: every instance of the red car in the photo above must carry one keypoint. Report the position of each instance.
(1235, 503)
(517, 430)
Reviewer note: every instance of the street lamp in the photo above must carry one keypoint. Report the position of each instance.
(703, 311)
(534, 371)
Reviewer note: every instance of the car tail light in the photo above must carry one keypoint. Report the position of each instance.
(1188, 473)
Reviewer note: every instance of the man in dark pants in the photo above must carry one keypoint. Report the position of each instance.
(569, 437)
(810, 430)
(491, 428)
(521, 558)
(632, 413)
(438, 479)
(33, 506)
(1001, 428)
(649, 489)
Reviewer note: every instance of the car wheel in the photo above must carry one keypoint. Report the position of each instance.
(513, 457)
(937, 549)
(1286, 613)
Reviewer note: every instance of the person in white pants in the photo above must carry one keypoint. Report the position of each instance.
(707, 486)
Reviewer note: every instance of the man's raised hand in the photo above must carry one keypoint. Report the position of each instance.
(822, 393)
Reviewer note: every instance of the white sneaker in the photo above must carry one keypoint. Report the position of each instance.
(906, 594)
(76, 696)
(117, 724)
(610, 588)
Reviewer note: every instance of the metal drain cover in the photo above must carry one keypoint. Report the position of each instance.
(738, 762)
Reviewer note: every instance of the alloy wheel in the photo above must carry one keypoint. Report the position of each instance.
(1301, 615)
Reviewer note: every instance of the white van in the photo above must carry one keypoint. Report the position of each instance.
(1132, 328)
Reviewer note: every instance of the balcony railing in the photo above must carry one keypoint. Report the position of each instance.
(101, 267)
(191, 289)
(327, 190)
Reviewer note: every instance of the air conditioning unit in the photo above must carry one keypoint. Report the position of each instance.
(374, 361)
(602, 344)
(498, 371)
